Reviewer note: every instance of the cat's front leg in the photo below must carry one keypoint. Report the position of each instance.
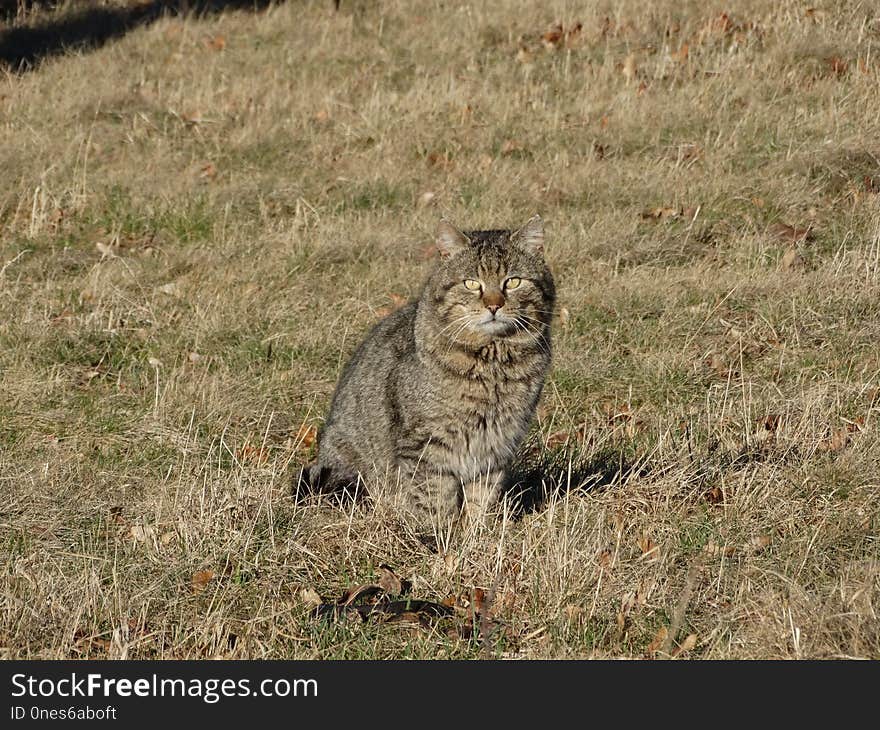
(482, 493)
(430, 495)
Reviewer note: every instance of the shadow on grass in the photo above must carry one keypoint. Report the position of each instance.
(23, 47)
(531, 484)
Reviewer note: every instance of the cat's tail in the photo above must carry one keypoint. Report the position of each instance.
(315, 478)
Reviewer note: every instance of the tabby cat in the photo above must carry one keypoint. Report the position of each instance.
(436, 400)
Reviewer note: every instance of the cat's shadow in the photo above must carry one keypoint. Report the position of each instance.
(534, 481)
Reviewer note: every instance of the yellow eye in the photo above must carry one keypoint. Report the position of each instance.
(473, 284)
(512, 283)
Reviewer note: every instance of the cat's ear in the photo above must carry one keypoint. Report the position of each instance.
(531, 236)
(450, 240)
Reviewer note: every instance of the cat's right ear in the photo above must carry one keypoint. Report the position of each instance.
(449, 239)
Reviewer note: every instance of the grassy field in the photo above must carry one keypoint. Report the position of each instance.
(200, 216)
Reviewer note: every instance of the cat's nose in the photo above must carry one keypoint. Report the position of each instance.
(493, 300)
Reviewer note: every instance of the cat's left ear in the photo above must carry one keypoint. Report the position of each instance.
(531, 236)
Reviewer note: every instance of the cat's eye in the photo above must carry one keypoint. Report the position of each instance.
(473, 284)
(513, 282)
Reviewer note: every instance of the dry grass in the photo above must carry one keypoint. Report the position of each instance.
(201, 218)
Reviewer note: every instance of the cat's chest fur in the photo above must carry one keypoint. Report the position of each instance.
(487, 418)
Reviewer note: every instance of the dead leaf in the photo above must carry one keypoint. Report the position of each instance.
(217, 43)
(714, 496)
(310, 597)
(792, 260)
(390, 582)
(629, 67)
(690, 641)
(837, 441)
(716, 363)
(554, 36)
(511, 146)
(760, 542)
(681, 55)
(141, 533)
(192, 118)
(306, 436)
(426, 198)
(658, 641)
(837, 65)
(564, 317)
(441, 160)
(200, 580)
(661, 213)
(253, 454)
(786, 232)
(208, 171)
(525, 56)
(558, 438)
(649, 548)
(714, 550)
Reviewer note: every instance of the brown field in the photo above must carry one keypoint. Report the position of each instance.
(201, 215)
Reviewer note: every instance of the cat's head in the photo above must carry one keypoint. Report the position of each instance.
(492, 284)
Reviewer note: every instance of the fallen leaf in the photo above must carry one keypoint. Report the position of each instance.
(658, 641)
(792, 260)
(141, 533)
(557, 438)
(525, 56)
(306, 436)
(714, 550)
(837, 441)
(790, 233)
(511, 146)
(442, 160)
(716, 363)
(629, 67)
(426, 198)
(690, 641)
(661, 213)
(201, 579)
(217, 43)
(681, 55)
(554, 36)
(649, 548)
(310, 597)
(714, 496)
(390, 582)
(760, 542)
(171, 289)
(208, 171)
(837, 65)
(397, 301)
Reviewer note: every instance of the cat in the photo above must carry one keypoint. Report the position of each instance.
(439, 396)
